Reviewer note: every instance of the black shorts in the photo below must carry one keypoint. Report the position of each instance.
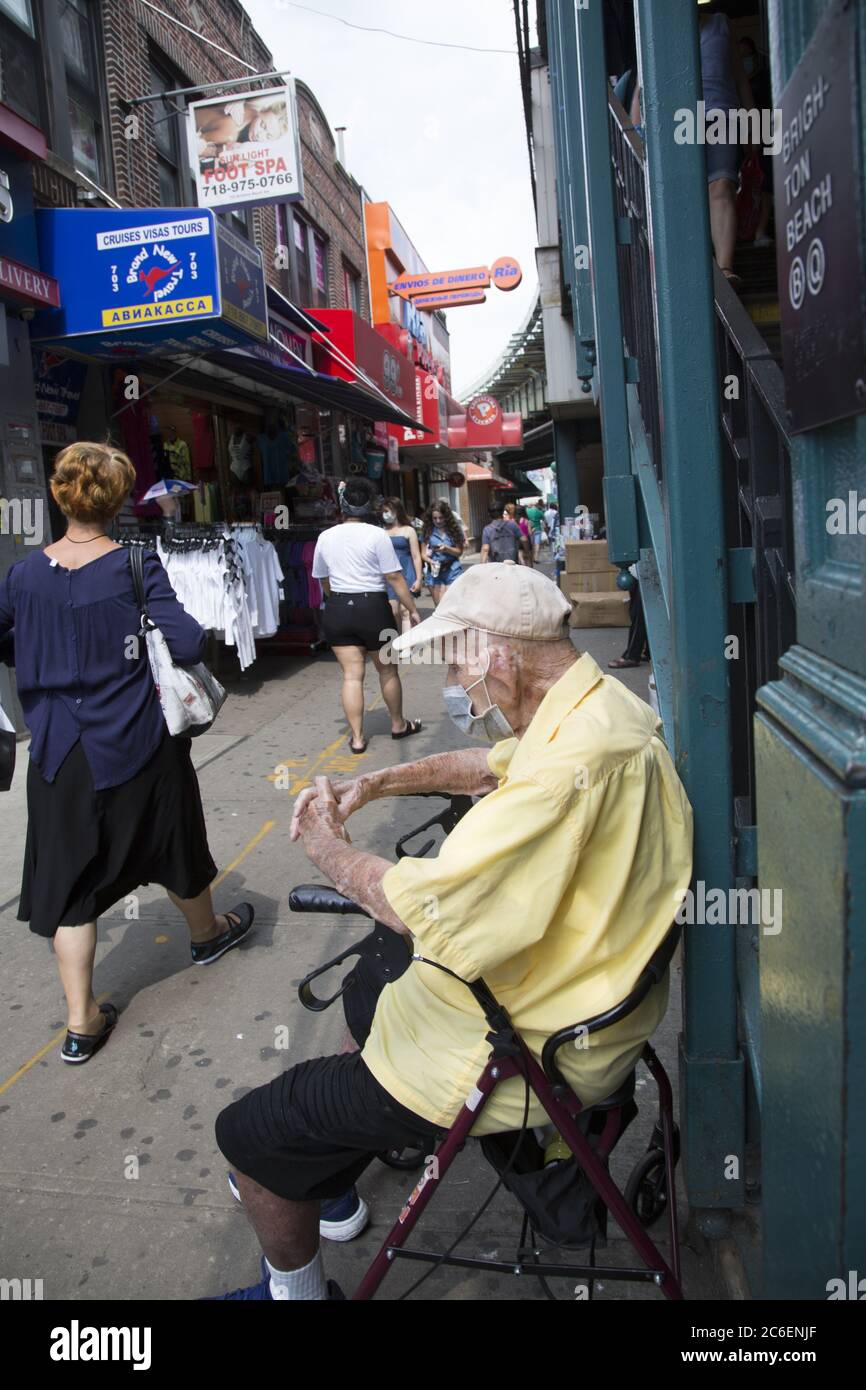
(309, 1134)
(358, 620)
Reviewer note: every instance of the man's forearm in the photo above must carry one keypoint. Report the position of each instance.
(354, 873)
(462, 773)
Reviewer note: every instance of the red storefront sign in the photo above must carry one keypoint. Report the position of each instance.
(376, 356)
(26, 283)
(433, 407)
(484, 426)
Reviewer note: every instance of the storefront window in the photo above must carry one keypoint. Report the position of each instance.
(171, 158)
(302, 261)
(320, 252)
(20, 10)
(82, 81)
(85, 141)
(22, 75)
(352, 287)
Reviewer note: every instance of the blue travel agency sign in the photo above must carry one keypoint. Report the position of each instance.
(149, 280)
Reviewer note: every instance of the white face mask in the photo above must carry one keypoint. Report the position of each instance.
(389, 518)
(491, 725)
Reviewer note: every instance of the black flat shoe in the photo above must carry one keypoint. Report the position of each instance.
(80, 1047)
(413, 726)
(358, 751)
(206, 952)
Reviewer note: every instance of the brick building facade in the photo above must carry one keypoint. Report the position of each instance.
(98, 56)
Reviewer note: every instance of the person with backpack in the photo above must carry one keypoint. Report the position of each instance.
(501, 540)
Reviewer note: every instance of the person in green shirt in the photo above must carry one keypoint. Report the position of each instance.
(535, 517)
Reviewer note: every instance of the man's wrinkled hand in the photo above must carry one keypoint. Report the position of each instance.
(350, 796)
(322, 812)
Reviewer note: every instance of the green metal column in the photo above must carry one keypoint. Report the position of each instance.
(811, 814)
(711, 1067)
(571, 194)
(619, 487)
(565, 440)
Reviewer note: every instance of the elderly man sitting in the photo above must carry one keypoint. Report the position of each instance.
(556, 887)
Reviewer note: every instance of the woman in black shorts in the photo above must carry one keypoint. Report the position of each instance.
(353, 562)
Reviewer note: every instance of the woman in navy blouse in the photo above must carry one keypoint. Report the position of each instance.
(113, 801)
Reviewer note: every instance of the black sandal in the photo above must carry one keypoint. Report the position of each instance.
(80, 1047)
(358, 751)
(206, 952)
(413, 726)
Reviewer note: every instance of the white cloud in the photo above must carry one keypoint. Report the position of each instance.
(438, 133)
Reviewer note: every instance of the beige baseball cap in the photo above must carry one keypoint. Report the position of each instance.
(506, 600)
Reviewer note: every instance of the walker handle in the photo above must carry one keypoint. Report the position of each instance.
(321, 897)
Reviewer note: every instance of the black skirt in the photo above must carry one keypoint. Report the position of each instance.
(87, 849)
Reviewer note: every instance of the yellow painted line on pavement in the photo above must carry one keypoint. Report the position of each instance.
(58, 1037)
(257, 839)
(326, 758)
(37, 1056)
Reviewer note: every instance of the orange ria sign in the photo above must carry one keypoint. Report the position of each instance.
(437, 289)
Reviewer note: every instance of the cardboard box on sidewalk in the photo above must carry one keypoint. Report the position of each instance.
(599, 610)
(587, 557)
(573, 585)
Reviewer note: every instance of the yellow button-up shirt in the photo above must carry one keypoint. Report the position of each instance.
(556, 888)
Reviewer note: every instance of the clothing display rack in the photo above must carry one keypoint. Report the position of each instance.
(226, 575)
(303, 595)
(290, 624)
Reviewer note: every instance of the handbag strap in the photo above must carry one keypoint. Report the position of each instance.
(136, 564)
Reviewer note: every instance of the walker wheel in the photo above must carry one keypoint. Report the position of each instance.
(647, 1189)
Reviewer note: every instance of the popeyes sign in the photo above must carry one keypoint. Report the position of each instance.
(485, 426)
(446, 289)
(484, 411)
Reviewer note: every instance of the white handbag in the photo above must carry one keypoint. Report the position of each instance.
(7, 751)
(190, 696)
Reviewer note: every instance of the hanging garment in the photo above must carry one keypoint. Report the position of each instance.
(203, 457)
(178, 457)
(240, 456)
(275, 458)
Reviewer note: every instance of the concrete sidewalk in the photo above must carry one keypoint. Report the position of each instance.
(112, 1184)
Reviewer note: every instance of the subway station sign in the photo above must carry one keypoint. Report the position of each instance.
(143, 281)
(818, 233)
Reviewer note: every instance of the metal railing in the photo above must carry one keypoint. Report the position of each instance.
(758, 509)
(635, 277)
(758, 513)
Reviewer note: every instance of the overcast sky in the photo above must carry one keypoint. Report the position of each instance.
(438, 133)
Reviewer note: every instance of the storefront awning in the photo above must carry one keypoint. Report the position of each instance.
(327, 392)
(475, 473)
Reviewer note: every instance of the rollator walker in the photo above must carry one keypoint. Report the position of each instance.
(566, 1203)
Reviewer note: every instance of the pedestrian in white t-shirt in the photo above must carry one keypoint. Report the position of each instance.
(353, 561)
